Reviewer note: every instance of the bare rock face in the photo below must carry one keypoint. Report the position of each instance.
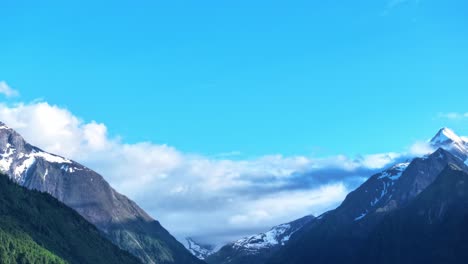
(84, 190)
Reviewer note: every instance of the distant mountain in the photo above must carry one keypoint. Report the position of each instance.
(258, 248)
(84, 190)
(37, 228)
(199, 250)
(342, 235)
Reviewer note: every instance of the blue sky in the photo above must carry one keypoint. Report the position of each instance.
(258, 77)
(232, 111)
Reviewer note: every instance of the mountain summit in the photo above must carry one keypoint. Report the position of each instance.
(450, 141)
(446, 135)
(120, 219)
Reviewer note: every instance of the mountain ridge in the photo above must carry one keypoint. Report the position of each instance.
(365, 208)
(383, 193)
(259, 247)
(119, 218)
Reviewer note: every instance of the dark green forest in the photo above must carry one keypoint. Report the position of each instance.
(37, 228)
(18, 247)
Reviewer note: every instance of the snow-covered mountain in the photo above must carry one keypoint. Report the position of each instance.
(398, 184)
(199, 250)
(84, 190)
(382, 193)
(338, 235)
(259, 247)
(382, 190)
(430, 228)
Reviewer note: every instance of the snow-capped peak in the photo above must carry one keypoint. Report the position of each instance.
(17, 156)
(448, 140)
(394, 172)
(446, 135)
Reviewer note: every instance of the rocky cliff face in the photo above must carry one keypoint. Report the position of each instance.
(84, 190)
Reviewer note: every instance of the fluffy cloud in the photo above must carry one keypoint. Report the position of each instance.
(211, 198)
(6, 90)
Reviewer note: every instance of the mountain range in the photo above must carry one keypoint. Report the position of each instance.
(411, 212)
(369, 213)
(118, 218)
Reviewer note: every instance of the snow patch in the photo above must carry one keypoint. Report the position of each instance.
(278, 235)
(21, 170)
(395, 172)
(23, 161)
(45, 175)
(6, 158)
(198, 250)
(360, 216)
(51, 158)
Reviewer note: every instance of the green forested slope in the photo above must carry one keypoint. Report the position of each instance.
(37, 228)
(17, 247)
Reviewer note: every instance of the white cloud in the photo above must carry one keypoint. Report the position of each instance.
(191, 194)
(421, 148)
(6, 90)
(291, 203)
(376, 161)
(453, 115)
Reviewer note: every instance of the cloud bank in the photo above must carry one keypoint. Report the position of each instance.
(213, 199)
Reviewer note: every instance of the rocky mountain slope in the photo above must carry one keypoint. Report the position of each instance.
(337, 236)
(84, 190)
(37, 228)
